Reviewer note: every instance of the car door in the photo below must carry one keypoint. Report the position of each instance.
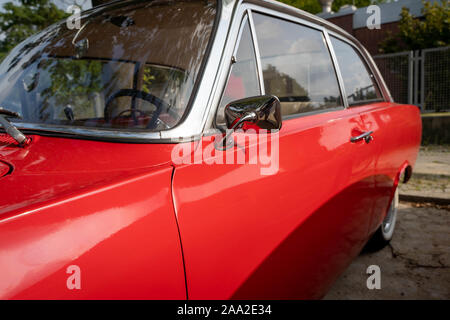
(283, 228)
(382, 119)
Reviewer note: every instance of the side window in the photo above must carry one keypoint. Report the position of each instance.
(297, 66)
(243, 79)
(359, 83)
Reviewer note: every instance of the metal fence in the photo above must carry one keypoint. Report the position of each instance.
(420, 77)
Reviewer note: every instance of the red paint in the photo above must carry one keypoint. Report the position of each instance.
(109, 208)
(106, 207)
(4, 169)
(6, 139)
(288, 235)
(397, 130)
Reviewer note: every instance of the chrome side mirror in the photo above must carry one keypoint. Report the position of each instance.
(263, 112)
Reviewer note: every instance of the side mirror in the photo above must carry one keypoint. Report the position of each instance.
(260, 112)
(264, 112)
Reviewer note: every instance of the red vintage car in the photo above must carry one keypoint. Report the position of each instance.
(194, 149)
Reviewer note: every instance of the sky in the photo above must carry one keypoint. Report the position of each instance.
(60, 3)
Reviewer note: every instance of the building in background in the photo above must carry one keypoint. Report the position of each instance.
(354, 20)
(415, 75)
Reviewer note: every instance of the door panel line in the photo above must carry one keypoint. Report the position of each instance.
(172, 195)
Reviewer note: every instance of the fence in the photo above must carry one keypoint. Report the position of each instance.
(420, 77)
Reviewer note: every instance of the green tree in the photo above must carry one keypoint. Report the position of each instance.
(313, 6)
(72, 81)
(23, 18)
(433, 30)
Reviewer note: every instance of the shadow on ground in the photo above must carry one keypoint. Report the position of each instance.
(416, 265)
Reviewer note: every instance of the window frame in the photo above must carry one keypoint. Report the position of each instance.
(369, 62)
(245, 18)
(369, 70)
(280, 16)
(283, 12)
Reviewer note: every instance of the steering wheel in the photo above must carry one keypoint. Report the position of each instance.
(160, 104)
(129, 110)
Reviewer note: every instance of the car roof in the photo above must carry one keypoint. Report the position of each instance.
(290, 10)
(271, 4)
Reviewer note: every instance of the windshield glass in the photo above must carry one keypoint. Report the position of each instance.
(130, 66)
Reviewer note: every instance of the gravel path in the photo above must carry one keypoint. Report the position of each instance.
(416, 265)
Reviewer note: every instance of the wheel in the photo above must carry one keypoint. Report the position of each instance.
(385, 232)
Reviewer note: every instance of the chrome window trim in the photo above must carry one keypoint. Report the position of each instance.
(293, 14)
(277, 15)
(376, 72)
(87, 133)
(368, 61)
(244, 6)
(311, 113)
(336, 69)
(285, 12)
(244, 19)
(259, 70)
(284, 16)
(230, 45)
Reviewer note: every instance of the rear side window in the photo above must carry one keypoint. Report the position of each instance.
(359, 82)
(297, 67)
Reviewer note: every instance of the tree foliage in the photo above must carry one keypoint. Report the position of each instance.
(433, 30)
(70, 80)
(23, 18)
(313, 6)
(357, 3)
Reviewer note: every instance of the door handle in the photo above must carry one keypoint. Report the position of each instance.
(367, 136)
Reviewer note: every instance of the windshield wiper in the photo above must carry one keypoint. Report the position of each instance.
(10, 129)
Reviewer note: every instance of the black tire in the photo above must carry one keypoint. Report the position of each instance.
(385, 232)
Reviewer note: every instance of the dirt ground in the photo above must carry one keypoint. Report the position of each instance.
(416, 265)
(431, 174)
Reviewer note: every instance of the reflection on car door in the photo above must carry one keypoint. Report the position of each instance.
(364, 95)
(288, 234)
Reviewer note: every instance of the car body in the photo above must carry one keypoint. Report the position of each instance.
(139, 223)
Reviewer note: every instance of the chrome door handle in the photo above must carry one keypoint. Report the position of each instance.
(367, 136)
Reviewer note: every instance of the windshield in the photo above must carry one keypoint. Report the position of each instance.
(130, 66)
